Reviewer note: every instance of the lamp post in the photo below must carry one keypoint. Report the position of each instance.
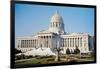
(57, 49)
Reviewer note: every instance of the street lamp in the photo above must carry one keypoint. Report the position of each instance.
(57, 49)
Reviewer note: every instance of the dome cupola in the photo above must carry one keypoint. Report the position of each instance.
(56, 18)
(56, 24)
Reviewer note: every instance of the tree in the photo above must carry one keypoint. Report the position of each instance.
(76, 51)
(17, 51)
(67, 51)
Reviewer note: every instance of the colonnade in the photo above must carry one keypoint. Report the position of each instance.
(72, 42)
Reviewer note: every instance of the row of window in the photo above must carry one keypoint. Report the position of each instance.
(31, 43)
(65, 42)
(72, 42)
(55, 24)
(28, 43)
(46, 37)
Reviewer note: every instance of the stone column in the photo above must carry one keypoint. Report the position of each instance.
(42, 40)
(46, 42)
(69, 42)
(51, 42)
(39, 41)
(74, 42)
(66, 43)
(79, 43)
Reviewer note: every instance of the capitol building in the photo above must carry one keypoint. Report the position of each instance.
(55, 37)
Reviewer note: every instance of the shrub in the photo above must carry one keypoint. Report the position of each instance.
(17, 51)
(50, 59)
(76, 51)
(67, 51)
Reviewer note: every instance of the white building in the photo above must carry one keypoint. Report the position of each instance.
(54, 37)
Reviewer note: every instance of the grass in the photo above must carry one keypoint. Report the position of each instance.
(28, 62)
(36, 60)
(50, 59)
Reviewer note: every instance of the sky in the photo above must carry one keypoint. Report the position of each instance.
(30, 19)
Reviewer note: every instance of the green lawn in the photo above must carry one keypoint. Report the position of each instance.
(35, 61)
(49, 60)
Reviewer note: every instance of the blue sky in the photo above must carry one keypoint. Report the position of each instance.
(30, 19)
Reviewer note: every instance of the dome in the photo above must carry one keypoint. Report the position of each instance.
(56, 18)
(56, 24)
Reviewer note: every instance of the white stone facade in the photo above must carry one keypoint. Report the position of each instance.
(54, 35)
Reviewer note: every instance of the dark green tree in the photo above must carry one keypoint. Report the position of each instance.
(67, 51)
(17, 51)
(76, 51)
